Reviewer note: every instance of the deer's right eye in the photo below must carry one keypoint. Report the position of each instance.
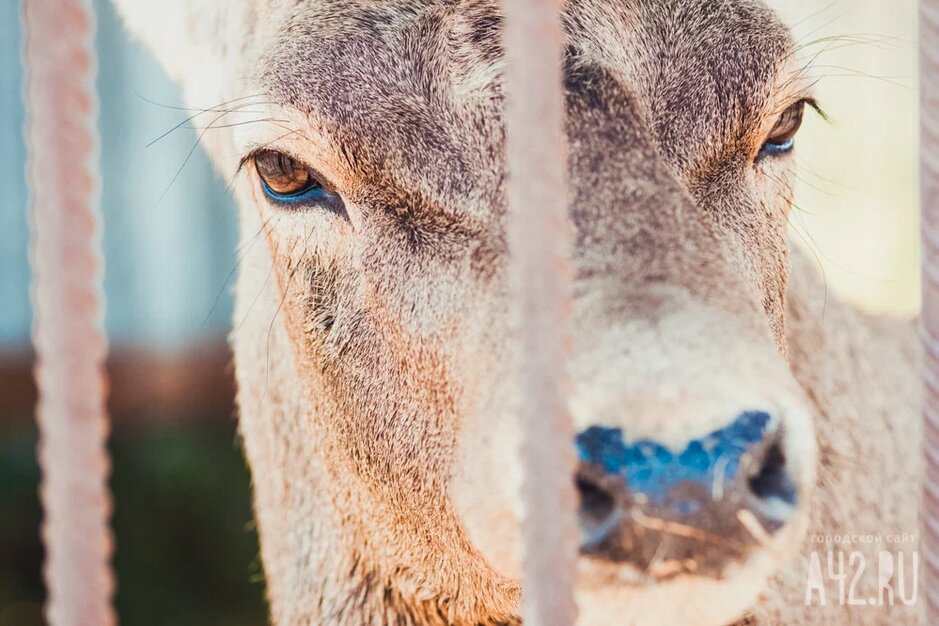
(285, 179)
(782, 137)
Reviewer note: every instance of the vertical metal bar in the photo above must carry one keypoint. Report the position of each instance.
(540, 242)
(929, 198)
(62, 144)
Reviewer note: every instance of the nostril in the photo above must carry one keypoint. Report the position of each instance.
(772, 485)
(743, 463)
(594, 501)
(598, 510)
(644, 502)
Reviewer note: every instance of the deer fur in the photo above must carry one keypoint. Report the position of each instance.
(373, 351)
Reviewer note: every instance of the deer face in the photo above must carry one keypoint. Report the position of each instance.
(375, 334)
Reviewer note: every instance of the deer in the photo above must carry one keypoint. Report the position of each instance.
(729, 409)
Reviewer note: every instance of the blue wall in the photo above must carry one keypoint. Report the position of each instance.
(167, 260)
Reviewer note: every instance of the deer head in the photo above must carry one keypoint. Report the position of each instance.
(373, 333)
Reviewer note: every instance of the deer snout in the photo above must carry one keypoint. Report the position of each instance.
(692, 510)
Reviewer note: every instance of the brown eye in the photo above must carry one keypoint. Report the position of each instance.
(285, 178)
(782, 138)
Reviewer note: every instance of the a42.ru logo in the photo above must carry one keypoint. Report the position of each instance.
(835, 577)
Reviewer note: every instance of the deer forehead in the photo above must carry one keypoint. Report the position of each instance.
(422, 79)
(403, 87)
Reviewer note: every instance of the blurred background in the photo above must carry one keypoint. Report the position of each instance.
(857, 198)
(186, 552)
(186, 548)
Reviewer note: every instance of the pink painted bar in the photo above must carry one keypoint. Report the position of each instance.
(62, 142)
(929, 183)
(540, 237)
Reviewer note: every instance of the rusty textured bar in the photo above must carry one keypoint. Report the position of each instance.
(67, 274)
(540, 241)
(929, 197)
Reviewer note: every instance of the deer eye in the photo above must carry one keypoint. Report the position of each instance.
(782, 138)
(285, 179)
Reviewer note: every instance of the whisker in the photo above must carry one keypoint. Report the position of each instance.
(212, 110)
(823, 26)
(817, 13)
(283, 299)
(192, 151)
(803, 167)
(237, 124)
(238, 259)
(257, 297)
(195, 146)
(812, 247)
(194, 109)
(680, 530)
(753, 526)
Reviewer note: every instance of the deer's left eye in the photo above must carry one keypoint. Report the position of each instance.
(285, 179)
(782, 138)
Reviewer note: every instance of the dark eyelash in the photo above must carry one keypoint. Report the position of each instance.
(817, 107)
(243, 162)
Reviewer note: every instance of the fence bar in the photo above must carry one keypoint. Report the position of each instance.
(540, 241)
(929, 197)
(70, 344)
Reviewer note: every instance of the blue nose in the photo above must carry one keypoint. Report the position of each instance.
(651, 469)
(705, 485)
